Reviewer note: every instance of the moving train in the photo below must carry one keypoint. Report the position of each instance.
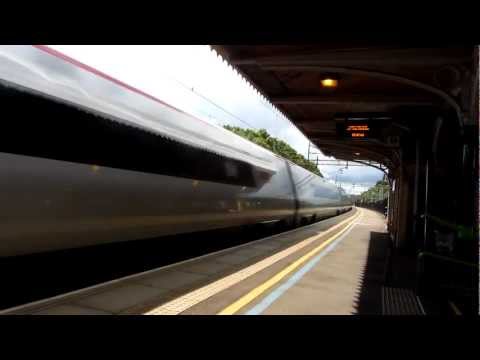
(86, 159)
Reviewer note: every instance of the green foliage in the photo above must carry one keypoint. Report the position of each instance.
(376, 193)
(262, 137)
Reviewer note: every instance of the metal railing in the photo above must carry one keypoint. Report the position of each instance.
(437, 281)
(423, 254)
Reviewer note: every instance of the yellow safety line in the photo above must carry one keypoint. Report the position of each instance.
(180, 304)
(252, 295)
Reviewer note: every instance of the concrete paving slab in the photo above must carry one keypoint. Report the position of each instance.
(233, 259)
(249, 253)
(171, 279)
(71, 310)
(207, 267)
(266, 246)
(120, 298)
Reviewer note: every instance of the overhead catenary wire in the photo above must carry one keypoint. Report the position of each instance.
(261, 97)
(192, 89)
(276, 113)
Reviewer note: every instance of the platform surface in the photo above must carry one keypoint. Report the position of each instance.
(316, 269)
(330, 282)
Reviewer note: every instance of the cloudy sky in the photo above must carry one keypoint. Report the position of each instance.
(193, 79)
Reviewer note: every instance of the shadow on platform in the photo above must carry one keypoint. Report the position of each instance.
(369, 291)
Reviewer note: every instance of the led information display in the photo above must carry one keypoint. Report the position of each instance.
(358, 127)
(358, 130)
(354, 129)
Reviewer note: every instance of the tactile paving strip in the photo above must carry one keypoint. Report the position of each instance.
(190, 299)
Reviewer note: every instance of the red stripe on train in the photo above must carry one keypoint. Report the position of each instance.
(88, 68)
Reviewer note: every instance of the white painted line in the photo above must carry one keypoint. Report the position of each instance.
(64, 298)
(182, 303)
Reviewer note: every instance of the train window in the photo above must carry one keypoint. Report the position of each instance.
(319, 193)
(325, 193)
(36, 126)
(231, 169)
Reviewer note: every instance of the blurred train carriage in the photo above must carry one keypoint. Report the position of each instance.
(86, 159)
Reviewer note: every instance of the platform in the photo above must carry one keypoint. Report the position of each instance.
(316, 269)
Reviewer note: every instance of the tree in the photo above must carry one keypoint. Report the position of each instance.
(262, 137)
(376, 193)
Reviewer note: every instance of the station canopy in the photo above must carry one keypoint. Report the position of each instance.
(354, 102)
